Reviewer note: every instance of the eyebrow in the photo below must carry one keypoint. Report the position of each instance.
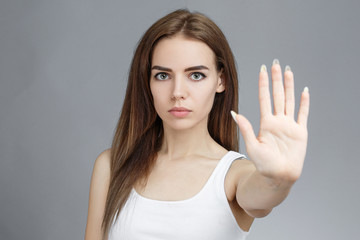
(200, 67)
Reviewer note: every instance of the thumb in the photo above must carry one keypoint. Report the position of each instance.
(246, 129)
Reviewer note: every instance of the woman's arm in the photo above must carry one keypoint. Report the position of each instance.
(257, 194)
(97, 197)
(277, 154)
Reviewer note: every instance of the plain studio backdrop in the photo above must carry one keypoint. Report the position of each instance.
(63, 75)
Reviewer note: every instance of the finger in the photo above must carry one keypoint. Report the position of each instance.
(289, 92)
(304, 107)
(246, 129)
(278, 88)
(264, 93)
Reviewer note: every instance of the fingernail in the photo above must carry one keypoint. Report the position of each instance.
(287, 68)
(233, 114)
(263, 68)
(276, 61)
(306, 89)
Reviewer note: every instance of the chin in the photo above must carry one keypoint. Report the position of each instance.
(182, 124)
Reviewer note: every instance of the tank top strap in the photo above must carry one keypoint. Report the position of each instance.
(219, 174)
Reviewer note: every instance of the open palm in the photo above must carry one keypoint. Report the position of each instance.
(280, 147)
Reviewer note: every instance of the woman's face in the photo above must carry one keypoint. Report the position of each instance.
(183, 82)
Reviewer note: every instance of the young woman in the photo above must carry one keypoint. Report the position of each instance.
(171, 171)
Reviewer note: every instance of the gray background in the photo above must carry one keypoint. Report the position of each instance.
(63, 68)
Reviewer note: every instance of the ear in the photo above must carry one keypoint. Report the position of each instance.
(221, 82)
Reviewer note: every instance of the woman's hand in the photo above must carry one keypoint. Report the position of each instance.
(278, 151)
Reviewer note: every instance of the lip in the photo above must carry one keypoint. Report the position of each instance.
(179, 111)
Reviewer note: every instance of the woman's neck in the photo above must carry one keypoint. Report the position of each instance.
(183, 143)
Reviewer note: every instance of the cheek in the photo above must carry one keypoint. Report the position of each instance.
(204, 94)
(154, 90)
(158, 94)
(208, 101)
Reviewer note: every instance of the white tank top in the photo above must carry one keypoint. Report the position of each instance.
(205, 216)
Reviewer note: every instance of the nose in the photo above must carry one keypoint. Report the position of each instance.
(179, 89)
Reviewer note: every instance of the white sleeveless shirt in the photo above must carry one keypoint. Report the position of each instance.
(205, 216)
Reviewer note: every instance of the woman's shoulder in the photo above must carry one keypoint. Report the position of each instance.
(238, 171)
(103, 160)
(101, 170)
(98, 192)
(241, 168)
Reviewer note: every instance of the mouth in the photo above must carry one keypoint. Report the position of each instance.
(179, 111)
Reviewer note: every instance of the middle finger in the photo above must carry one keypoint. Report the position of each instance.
(278, 88)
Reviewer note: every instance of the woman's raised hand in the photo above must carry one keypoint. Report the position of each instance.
(278, 151)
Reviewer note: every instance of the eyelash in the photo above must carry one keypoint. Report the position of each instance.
(203, 76)
(161, 73)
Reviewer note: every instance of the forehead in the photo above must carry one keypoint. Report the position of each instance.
(182, 52)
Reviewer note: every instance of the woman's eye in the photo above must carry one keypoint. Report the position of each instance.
(197, 76)
(162, 76)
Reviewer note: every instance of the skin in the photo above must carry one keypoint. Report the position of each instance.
(189, 155)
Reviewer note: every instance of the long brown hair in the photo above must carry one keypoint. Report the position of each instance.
(139, 132)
